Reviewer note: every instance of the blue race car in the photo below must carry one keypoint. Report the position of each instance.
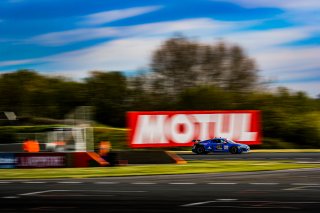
(219, 145)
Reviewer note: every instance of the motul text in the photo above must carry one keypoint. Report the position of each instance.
(179, 128)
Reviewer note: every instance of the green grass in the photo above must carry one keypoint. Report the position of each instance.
(190, 168)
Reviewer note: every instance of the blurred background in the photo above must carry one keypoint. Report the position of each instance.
(119, 56)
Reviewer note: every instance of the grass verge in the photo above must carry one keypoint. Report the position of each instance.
(195, 167)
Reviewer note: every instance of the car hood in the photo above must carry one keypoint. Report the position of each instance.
(238, 144)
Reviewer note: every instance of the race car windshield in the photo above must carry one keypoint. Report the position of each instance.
(230, 141)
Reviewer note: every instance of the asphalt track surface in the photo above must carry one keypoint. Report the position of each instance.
(299, 156)
(274, 191)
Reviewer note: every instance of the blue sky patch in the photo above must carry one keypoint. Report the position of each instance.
(79, 35)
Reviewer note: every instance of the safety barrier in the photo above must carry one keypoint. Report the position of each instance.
(148, 157)
(50, 160)
(86, 159)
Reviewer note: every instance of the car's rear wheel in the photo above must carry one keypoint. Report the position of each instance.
(234, 150)
(201, 150)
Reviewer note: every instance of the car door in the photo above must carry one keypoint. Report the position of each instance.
(217, 145)
(209, 146)
(220, 145)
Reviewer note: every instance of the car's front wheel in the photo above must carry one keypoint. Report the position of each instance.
(234, 150)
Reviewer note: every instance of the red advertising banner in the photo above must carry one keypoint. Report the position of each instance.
(179, 128)
(40, 160)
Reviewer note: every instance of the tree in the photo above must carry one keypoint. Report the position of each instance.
(181, 63)
(107, 93)
(205, 98)
(212, 64)
(28, 93)
(241, 72)
(16, 89)
(173, 65)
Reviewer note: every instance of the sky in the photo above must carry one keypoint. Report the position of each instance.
(74, 37)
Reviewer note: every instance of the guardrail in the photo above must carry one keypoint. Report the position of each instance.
(85, 159)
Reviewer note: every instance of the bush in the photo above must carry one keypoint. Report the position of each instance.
(276, 143)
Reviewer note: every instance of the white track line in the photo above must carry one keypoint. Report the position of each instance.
(143, 183)
(105, 182)
(226, 199)
(34, 182)
(181, 183)
(48, 191)
(295, 188)
(305, 184)
(42, 192)
(69, 182)
(264, 183)
(222, 183)
(196, 204)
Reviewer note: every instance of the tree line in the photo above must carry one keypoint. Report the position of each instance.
(184, 75)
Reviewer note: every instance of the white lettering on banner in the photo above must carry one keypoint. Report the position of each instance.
(160, 129)
(204, 121)
(7, 160)
(178, 136)
(245, 134)
(41, 161)
(150, 129)
(232, 129)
